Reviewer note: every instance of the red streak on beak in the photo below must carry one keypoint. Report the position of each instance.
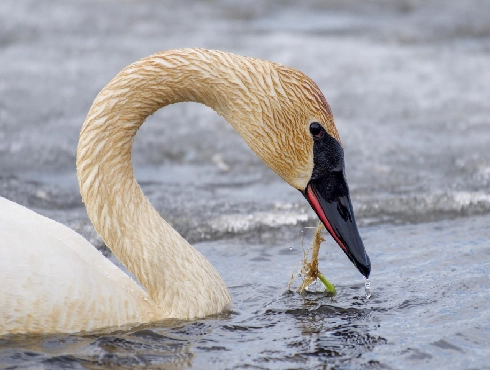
(319, 211)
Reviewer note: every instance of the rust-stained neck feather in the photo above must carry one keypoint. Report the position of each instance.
(270, 106)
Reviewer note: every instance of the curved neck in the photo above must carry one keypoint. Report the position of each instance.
(174, 273)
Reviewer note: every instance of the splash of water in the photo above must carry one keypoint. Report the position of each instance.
(367, 288)
(315, 287)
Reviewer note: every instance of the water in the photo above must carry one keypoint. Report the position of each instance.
(367, 288)
(408, 85)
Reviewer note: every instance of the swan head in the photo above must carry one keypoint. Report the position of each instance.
(294, 133)
(280, 113)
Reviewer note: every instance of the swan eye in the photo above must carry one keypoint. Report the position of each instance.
(316, 129)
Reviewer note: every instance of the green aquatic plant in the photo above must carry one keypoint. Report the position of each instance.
(309, 270)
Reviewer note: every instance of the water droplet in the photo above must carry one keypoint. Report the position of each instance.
(315, 287)
(367, 288)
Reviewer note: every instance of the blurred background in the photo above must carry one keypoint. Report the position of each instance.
(408, 83)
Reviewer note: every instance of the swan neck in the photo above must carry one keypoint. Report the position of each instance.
(178, 278)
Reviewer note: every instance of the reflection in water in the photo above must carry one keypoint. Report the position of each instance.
(333, 335)
(300, 330)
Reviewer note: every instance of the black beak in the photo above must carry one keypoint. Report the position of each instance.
(329, 197)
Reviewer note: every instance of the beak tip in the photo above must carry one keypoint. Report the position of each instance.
(337, 215)
(365, 268)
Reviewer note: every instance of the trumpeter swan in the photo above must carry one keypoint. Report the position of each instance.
(53, 280)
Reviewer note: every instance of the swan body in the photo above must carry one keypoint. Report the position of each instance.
(53, 280)
(62, 283)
